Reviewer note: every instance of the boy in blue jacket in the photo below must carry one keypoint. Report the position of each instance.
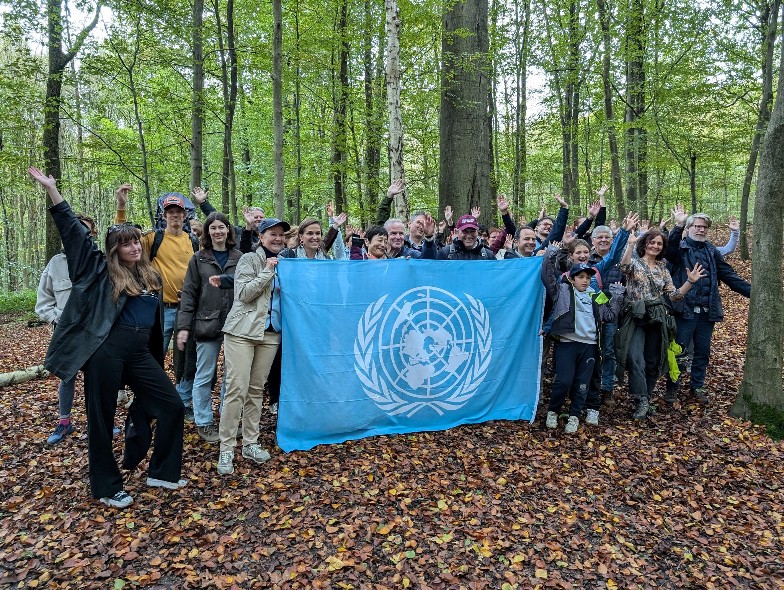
(575, 325)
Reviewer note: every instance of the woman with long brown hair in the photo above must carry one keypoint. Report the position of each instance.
(111, 329)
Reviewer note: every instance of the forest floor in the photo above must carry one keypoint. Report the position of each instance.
(688, 499)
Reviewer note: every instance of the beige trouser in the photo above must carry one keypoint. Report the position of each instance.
(247, 366)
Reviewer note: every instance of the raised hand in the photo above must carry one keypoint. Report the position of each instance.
(561, 201)
(521, 221)
(630, 221)
(396, 188)
(613, 225)
(48, 182)
(199, 195)
(428, 225)
(441, 226)
(122, 194)
(663, 223)
(696, 273)
(503, 205)
(475, 211)
(509, 242)
(733, 224)
(339, 220)
(248, 215)
(330, 210)
(593, 210)
(448, 214)
(679, 215)
(645, 225)
(600, 193)
(568, 238)
(543, 212)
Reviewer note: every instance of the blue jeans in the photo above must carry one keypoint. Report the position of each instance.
(169, 319)
(206, 361)
(700, 329)
(65, 397)
(608, 355)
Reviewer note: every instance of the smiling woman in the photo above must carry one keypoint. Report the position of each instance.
(117, 343)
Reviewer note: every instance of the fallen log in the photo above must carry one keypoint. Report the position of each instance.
(23, 375)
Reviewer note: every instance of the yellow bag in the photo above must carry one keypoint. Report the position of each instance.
(673, 350)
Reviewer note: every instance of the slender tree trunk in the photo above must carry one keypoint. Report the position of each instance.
(760, 397)
(58, 60)
(466, 165)
(612, 139)
(277, 106)
(297, 135)
(636, 135)
(693, 180)
(340, 109)
(521, 36)
(197, 97)
(769, 25)
(393, 105)
(374, 139)
(231, 109)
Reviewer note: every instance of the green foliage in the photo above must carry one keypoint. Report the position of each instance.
(17, 301)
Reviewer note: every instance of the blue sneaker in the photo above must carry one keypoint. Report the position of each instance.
(60, 433)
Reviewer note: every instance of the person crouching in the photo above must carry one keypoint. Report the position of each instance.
(575, 324)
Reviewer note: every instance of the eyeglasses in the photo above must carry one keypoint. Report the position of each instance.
(117, 227)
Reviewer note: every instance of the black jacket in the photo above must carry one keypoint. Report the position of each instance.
(456, 251)
(91, 311)
(203, 308)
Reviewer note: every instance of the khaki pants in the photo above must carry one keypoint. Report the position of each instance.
(247, 365)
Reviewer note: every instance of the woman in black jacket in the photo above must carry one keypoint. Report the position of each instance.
(111, 329)
(207, 295)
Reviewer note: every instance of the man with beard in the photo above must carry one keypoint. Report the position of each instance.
(697, 313)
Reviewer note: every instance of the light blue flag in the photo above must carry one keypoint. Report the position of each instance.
(392, 346)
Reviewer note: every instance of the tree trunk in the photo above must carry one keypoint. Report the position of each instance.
(58, 60)
(612, 139)
(464, 135)
(636, 135)
(340, 110)
(393, 105)
(693, 180)
(23, 375)
(769, 25)
(521, 45)
(277, 106)
(197, 97)
(374, 139)
(297, 133)
(761, 397)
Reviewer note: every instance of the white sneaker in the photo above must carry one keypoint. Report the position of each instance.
(226, 462)
(255, 453)
(121, 499)
(274, 409)
(169, 485)
(571, 425)
(592, 417)
(552, 420)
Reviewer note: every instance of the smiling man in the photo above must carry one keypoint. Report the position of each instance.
(466, 246)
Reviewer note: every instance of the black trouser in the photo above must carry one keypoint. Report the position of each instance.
(574, 364)
(125, 357)
(274, 378)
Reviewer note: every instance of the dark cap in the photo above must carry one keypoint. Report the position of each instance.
(467, 221)
(173, 200)
(581, 267)
(272, 222)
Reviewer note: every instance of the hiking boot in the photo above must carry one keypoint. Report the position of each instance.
(671, 393)
(209, 433)
(169, 485)
(226, 462)
(571, 425)
(189, 415)
(642, 409)
(701, 394)
(552, 420)
(592, 417)
(120, 500)
(62, 430)
(255, 453)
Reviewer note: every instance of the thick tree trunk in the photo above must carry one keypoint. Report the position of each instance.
(769, 24)
(197, 97)
(465, 160)
(396, 169)
(636, 135)
(761, 397)
(277, 106)
(612, 139)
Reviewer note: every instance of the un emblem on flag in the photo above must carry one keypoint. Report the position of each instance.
(427, 349)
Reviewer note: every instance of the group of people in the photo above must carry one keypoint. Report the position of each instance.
(144, 290)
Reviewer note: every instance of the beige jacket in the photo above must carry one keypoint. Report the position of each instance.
(252, 290)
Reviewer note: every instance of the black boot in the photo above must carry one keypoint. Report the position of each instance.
(642, 409)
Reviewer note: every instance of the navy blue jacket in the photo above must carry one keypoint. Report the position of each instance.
(683, 255)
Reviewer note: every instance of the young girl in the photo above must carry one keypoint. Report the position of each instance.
(111, 329)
